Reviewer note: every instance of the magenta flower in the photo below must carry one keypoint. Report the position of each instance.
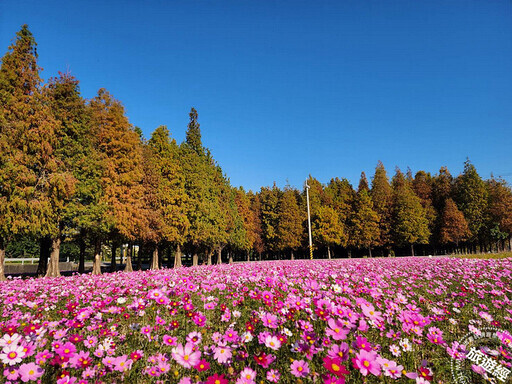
(66, 350)
(169, 340)
(366, 363)
(299, 368)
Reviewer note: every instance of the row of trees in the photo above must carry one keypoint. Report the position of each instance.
(77, 171)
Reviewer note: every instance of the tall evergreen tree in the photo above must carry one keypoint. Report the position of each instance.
(363, 183)
(410, 224)
(289, 225)
(454, 227)
(249, 220)
(258, 244)
(328, 228)
(166, 199)
(269, 200)
(471, 198)
(382, 198)
(499, 213)
(79, 157)
(122, 173)
(34, 184)
(193, 134)
(364, 222)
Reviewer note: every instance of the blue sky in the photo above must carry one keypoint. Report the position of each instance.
(290, 88)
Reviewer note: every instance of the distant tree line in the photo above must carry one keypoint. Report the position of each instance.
(76, 175)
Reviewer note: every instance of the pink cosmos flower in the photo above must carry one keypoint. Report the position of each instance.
(273, 342)
(67, 380)
(366, 362)
(248, 374)
(195, 337)
(30, 371)
(222, 354)
(299, 368)
(122, 363)
(336, 330)
(339, 351)
(273, 376)
(269, 320)
(11, 373)
(185, 355)
(90, 341)
(169, 340)
(67, 349)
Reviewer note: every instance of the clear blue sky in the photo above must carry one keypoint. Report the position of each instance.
(290, 88)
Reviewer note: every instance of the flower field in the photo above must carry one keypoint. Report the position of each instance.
(322, 321)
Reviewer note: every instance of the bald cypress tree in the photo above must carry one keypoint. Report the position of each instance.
(289, 224)
(499, 214)
(193, 134)
(269, 203)
(363, 183)
(409, 221)
(35, 185)
(382, 198)
(364, 221)
(167, 207)
(471, 197)
(122, 173)
(454, 227)
(79, 157)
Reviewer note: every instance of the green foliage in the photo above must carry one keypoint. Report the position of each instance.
(382, 198)
(410, 224)
(290, 217)
(364, 222)
(471, 198)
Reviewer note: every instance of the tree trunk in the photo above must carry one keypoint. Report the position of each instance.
(53, 266)
(81, 259)
(45, 246)
(219, 255)
(230, 258)
(129, 253)
(2, 260)
(248, 256)
(292, 257)
(260, 255)
(370, 251)
(96, 267)
(349, 253)
(412, 249)
(195, 259)
(139, 258)
(113, 261)
(209, 261)
(510, 243)
(329, 252)
(177, 257)
(154, 259)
